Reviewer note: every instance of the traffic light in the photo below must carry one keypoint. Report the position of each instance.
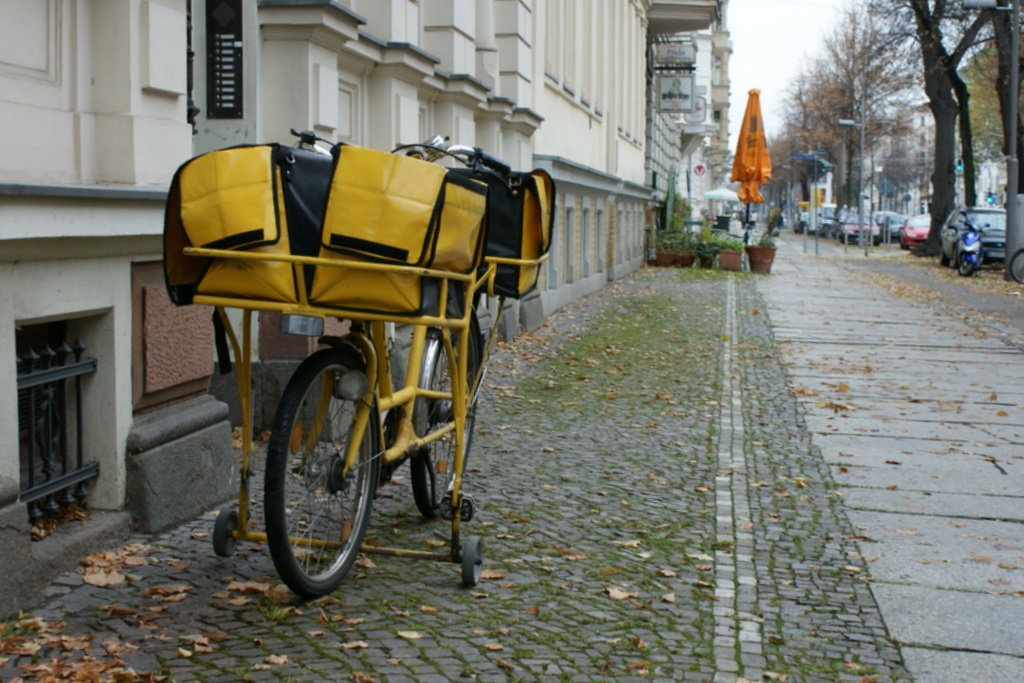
(990, 198)
(959, 166)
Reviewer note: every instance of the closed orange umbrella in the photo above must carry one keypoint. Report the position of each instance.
(752, 166)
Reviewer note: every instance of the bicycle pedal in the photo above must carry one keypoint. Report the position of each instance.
(444, 509)
(468, 508)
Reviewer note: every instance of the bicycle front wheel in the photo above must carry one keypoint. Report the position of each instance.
(433, 468)
(1015, 266)
(316, 509)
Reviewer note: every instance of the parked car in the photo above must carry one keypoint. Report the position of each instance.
(850, 229)
(827, 220)
(889, 223)
(990, 222)
(914, 231)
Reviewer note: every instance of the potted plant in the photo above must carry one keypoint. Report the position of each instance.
(730, 255)
(761, 255)
(685, 249)
(666, 248)
(706, 249)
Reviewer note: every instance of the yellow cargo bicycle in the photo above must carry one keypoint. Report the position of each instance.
(370, 239)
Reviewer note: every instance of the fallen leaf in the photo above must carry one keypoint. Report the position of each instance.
(636, 642)
(276, 660)
(104, 578)
(166, 589)
(280, 594)
(619, 594)
(494, 647)
(410, 635)
(249, 586)
(355, 645)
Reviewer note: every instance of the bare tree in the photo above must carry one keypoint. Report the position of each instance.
(864, 73)
(944, 35)
(982, 77)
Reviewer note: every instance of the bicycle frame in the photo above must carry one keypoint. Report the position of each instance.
(368, 336)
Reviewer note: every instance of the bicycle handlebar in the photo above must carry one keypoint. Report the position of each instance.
(474, 157)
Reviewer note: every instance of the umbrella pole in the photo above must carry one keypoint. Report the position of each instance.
(746, 226)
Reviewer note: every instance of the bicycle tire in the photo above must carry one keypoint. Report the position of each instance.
(316, 514)
(1016, 266)
(432, 469)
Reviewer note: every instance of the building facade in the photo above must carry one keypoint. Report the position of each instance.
(107, 384)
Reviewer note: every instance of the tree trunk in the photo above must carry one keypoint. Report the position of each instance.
(939, 73)
(944, 111)
(963, 98)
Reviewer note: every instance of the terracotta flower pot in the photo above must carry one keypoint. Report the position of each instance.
(730, 259)
(663, 258)
(684, 260)
(760, 258)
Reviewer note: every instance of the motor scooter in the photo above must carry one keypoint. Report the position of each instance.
(969, 253)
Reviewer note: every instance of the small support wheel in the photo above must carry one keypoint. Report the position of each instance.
(472, 560)
(224, 529)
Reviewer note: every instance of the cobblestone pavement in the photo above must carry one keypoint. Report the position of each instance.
(651, 506)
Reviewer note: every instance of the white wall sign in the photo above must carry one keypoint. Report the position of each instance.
(699, 112)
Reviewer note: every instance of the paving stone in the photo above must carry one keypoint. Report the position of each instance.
(579, 492)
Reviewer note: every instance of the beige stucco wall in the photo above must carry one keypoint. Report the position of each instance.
(93, 95)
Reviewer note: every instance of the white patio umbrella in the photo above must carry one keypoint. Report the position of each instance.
(722, 194)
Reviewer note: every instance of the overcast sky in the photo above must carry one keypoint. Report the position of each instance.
(771, 40)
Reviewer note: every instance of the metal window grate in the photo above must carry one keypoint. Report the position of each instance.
(50, 428)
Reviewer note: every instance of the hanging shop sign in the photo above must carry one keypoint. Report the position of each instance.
(676, 54)
(675, 92)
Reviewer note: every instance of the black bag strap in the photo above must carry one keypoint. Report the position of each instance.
(220, 339)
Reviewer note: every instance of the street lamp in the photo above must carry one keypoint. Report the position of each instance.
(860, 183)
(1013, 232)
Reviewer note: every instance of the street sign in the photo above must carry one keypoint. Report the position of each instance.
(699, 170)
(803, 157)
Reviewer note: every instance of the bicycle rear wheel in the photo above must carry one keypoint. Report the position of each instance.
(1015, 266)
(316, 511)
(433, 467)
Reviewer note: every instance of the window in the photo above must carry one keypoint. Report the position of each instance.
(585, 248)
(552, 44)
(567, 250)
